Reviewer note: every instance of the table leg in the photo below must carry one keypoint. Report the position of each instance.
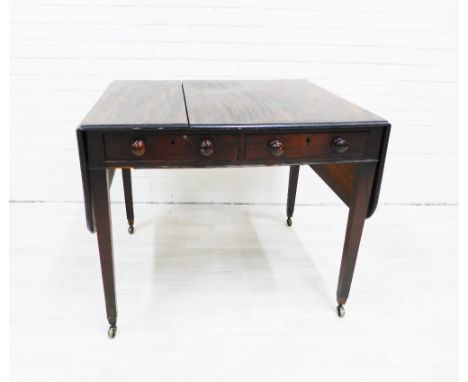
(127, 184)
(358, 208)
(293, 178)
(99, 182)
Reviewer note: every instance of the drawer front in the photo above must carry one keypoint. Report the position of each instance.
(303, 145)
(171, 147)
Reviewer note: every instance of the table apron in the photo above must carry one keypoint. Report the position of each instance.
(214, 164)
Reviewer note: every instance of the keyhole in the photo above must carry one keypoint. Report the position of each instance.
(308, 141)
(172, 142)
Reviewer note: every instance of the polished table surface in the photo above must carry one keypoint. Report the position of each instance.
(195, 104)
(183, 124)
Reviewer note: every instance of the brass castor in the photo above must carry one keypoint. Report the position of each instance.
(131, 230)
(289, 222)
(112, 331)
(340, 310)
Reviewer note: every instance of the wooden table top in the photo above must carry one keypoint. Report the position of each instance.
(145, 103)
(223, 104)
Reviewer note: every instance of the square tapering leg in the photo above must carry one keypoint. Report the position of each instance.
(358, 208)
(127, 184)
(100, 182)
(292, 187)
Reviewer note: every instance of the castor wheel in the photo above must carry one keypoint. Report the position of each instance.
(131, 230)
(340, 310)
(112, 331)
(289, 222)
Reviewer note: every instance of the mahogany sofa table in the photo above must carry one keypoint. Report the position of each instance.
(174, 124)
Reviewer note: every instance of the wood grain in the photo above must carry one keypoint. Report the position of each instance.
(303, 145)
(292, 188)
(100, 182)
(171, 147)
(142, 103)
(339, 177)
(358, 207)
(259, 103)
(128, 195)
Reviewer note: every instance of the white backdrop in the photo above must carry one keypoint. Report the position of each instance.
(397, 58)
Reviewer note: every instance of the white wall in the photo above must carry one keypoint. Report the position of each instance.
(397, 58)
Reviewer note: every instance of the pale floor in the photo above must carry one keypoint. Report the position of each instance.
(230, 293)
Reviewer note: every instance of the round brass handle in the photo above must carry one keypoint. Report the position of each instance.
(206, 147)
(138, 147)
(340, 145)
(276, 147)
